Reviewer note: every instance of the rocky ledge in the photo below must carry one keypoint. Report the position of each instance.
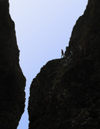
(66, 92)
(12, 81)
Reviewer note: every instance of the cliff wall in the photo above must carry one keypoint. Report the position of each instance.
(12, 80)
(66, 92)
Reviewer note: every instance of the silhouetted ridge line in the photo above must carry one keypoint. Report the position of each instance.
(66, 92)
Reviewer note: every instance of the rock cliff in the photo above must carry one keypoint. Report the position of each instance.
(12, 81)
(66, 92)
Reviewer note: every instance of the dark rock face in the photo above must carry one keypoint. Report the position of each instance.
(66, 92)
(12, 81)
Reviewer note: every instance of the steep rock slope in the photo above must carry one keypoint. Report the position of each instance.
(12, 81)
(66, 92)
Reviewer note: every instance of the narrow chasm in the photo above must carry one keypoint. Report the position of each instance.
(51, 98)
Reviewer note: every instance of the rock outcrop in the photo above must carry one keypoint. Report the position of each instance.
(12, 81)
(66, 92)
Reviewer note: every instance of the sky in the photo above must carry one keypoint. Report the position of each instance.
(43, 28)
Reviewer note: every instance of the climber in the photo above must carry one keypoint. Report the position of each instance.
(62, 53)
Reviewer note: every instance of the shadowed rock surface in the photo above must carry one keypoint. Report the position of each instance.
(12, 81)
(66, 92)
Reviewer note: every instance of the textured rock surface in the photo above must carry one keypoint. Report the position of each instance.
(12, 81)
(66, 92)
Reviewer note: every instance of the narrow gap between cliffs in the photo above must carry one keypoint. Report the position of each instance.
(37, 25)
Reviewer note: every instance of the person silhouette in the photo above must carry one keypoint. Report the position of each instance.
(62, 53)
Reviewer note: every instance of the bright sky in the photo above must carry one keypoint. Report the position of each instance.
(43, 28)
